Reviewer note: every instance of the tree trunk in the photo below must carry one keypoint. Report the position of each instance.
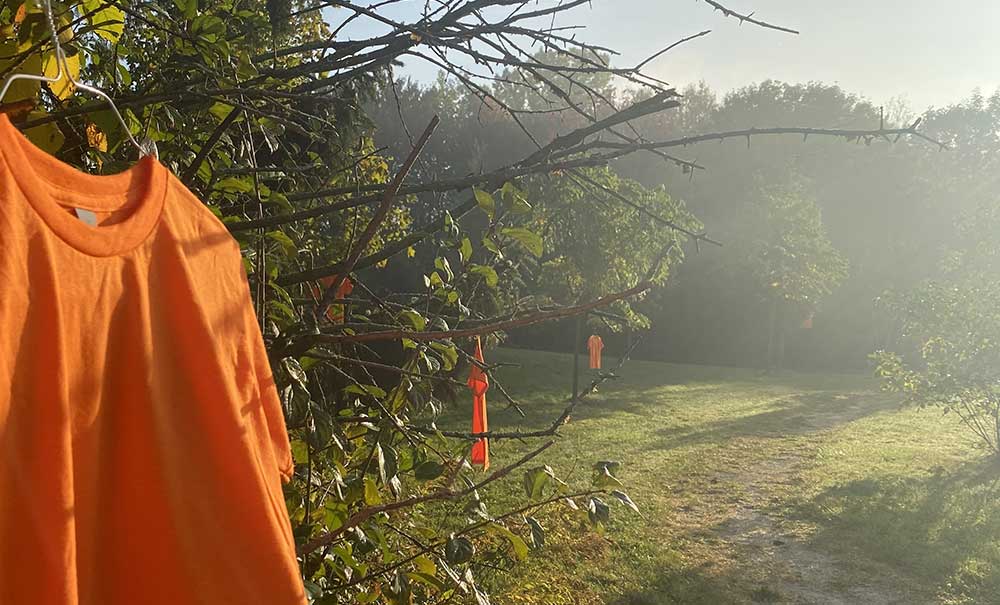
(779, 361)
(771, 326)
(576, 358)
(996, 427)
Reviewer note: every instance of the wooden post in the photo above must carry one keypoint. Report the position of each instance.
(576, 358)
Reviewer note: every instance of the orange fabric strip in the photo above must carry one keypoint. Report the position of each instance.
(479, 382)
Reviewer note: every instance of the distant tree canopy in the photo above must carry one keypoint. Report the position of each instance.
(791, 260)
(887, 210)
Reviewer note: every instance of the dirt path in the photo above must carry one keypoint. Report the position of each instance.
(776, 554)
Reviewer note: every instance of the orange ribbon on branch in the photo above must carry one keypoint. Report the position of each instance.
(479, 382)
(334, 312)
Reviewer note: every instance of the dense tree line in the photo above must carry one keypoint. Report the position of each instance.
(889, 210)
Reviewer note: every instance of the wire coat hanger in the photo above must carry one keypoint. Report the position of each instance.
(62, 70)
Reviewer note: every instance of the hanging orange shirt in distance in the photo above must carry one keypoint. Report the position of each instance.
(595, 345)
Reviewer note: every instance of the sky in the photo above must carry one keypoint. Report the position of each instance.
(925, 52)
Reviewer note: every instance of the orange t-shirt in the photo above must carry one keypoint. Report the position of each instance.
(595, 346)
(142, 443)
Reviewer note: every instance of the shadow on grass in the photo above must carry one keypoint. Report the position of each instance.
(543, 383)
(678, 587)
(944, 527)
(797, 414)
(615, 398)
(692, 587)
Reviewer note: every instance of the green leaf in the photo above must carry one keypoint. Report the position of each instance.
(398, 591)
(246, 69)
(365, 389)
(232, 184)
(604, 478)
(380, 458)
(429, 470)
(220, 110)
(313, 589)
(516, 542)
(286, 242)
(47, 137)
(624, 499)
(296, 372)
(486, 202)
(372, 496)
(537, 532)
(531, 241)
(207, 26)
(188, 8)
(519, 205)
(598, 512)
(415, 319)
(428, 579)
(459, 549)
(448, 353)
(321, 428)
(425, 565)
(465, 251)
(308, 362)
(286, 311)
(491, 245)
(488, 273)
(536, 480)
(300, 451)
(108, 20)
(442, 264)
(388, 463)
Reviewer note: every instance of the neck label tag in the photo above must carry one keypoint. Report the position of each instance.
(86, 216)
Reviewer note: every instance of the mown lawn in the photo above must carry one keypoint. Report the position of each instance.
(780, 488)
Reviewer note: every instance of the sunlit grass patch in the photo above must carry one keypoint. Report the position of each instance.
(736, 475)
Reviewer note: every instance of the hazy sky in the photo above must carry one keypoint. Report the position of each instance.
(929, 52)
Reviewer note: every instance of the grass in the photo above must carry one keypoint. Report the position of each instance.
(752, 489)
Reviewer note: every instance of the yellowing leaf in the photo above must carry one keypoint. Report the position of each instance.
(465, 251)
(62, 88)
(108, 21)
(488, 273)
(425, 565)
(220, 110)
(529, 239)
(371, 492)
(47, 137)
(486, 202)
(20, 89)
(96, 138)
